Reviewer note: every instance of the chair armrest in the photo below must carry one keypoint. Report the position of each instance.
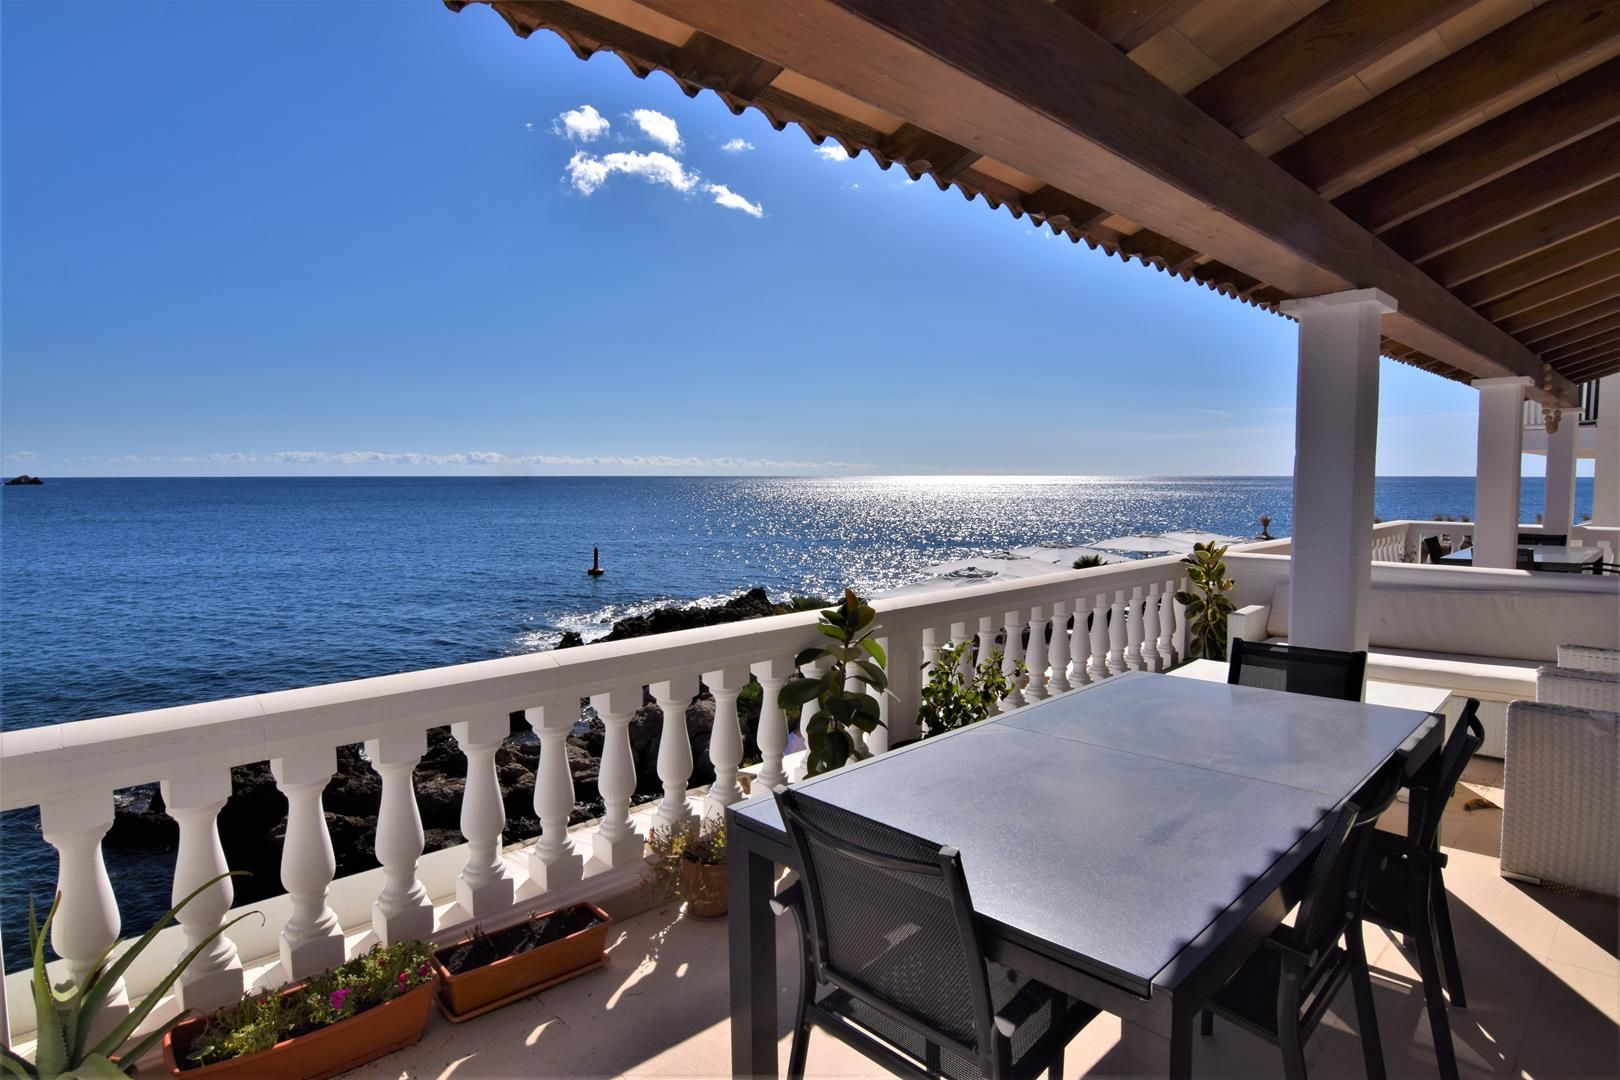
(1248, 623)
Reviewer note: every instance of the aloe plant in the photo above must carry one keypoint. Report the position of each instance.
(66, 1014)
(858, 660)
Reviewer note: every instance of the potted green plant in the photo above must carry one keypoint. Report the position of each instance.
(690, 862)
(843, 693)
(66, 1013)
(950, 700)
(336, 1021)
(485, 971)
(1207, 603)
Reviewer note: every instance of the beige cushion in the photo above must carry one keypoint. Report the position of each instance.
(1471, 676)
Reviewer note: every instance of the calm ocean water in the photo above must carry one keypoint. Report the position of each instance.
(118, 595)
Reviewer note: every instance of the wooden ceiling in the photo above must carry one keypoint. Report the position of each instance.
(1461, 155)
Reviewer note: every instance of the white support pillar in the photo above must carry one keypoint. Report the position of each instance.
(1496, 476)
(1606, 466)
(1335, 442)
(1558, 507)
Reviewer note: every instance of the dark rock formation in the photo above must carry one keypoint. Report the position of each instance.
(24, 481)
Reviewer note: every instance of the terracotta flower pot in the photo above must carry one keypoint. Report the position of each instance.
(704, 886)
(511, 978)
(318, 1054)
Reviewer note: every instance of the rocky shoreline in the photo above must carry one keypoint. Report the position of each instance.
(253, 823)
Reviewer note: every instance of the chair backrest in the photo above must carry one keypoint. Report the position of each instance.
(1465, 740)
(1552, 539)
(1431, 549)
(891, 921)
(1333, 894)
(1297, 669)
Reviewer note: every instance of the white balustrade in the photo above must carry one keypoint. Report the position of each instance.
(616, 842)
(311, 940)
(1133, 630)
(725, 742)
(553, 863)
(402, 911)
(1116, 634)
(773, 729)
(674, 751)
(1081, 646)
(964, 662)
(1167, 626)
(1057, 651)
(87, 914)
(1036, 650)
(1012, 655)
(903, 648)
(1149, 649)
(483, 887)
(194, 799)
(1100, 639)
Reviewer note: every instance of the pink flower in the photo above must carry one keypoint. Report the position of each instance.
(338, 997)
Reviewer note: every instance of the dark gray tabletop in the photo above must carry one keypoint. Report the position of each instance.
(1115, 823)
(1545, 555)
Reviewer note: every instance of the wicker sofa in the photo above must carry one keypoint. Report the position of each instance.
(1561, 812)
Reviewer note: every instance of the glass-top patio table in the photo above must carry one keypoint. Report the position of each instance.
(1546, 557)
(1127, 842)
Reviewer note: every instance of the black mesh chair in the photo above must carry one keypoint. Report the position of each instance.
(1319, 672)
(892, 959)
(1284, 989)
(1431, 549)
(1406, 892)
(1550, 539)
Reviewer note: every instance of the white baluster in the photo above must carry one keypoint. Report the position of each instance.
(876, 740)
(725, 741)
(1082, 642)
(1133, 631)
(616, 842)
(1116, 634)
(1099, 639)
(1181, 621)
(402, 911)
(986, 638)
(772, 733)
(1167, 626)
(87, 919)
(1012, 653)
(312, 940)
(675, 751)
(194, 799)
(553, 863)
(964, 663)
(806, 711)
(903, 649)
(1058, 651)
(1037, 690)
(483, 887)
(1150, 629)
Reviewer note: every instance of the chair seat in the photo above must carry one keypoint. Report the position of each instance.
(1053, 1014)
(1249, 999)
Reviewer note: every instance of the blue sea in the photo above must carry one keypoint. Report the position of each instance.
(124, 594)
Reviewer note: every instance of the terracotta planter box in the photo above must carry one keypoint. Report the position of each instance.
(512, 978)
(322, 1053)
(704, 887)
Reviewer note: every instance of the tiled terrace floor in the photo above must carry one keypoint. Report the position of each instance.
(1539, 967)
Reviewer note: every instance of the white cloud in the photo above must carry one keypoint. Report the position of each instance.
(528, 125)
(659, 128)
(833, 152)
(730, 199)
(583, 123)
(587, 172)
(22, 455)
(736, 146)
(491, 457)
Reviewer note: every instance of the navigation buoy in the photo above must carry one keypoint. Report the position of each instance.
(596, 563)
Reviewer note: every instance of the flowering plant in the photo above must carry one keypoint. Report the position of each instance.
(264, 1019)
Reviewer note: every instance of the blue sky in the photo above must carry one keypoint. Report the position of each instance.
(383, 238)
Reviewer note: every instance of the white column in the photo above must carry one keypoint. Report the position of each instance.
(1081, 647)
(675, 750)
(772, 733)
(1496, 476)
(986, 640)
(1099, 639)
(725, 741)
(1057, 652)
(1335, 444)
(1011, 653)
(483, 887)
(87, 920)
(1150, 629)
(1558, 508)
(616, 842)
(553, 862)
(194, 799)
(1133, 630)
(1116, 634)
(1036, 690)
(401, 911)
(1167, 626)
(311, 940)
(902, 646)
(1606, 467)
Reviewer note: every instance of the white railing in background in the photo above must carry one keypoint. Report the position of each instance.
(1584, 413)
(71, 771)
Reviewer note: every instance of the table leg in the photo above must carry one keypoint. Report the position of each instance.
(1181, 1040)
(753, 960)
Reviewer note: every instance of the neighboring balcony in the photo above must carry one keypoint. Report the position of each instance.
(1586, 416)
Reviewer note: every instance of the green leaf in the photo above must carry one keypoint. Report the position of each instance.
(837, 633)
(51, 1049)
(809, 656)
(16, 1065)
(98, 1067)
(875, 651)
(796, 693)
(865, 616)
(874, 674)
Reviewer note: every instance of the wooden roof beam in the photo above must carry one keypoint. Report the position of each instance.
(1319, 51)
(728, 71)
(1052, 204)
(1594, 368)
(1544, 229)
(1543, 182)
(1490, 70)
(1595, 330)
(1029, 86)
(1605, 277)
(1583, 350)
(1570, 111)
(1574, 321)
(1555, 260)
(919, 149)
(1125, 23)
